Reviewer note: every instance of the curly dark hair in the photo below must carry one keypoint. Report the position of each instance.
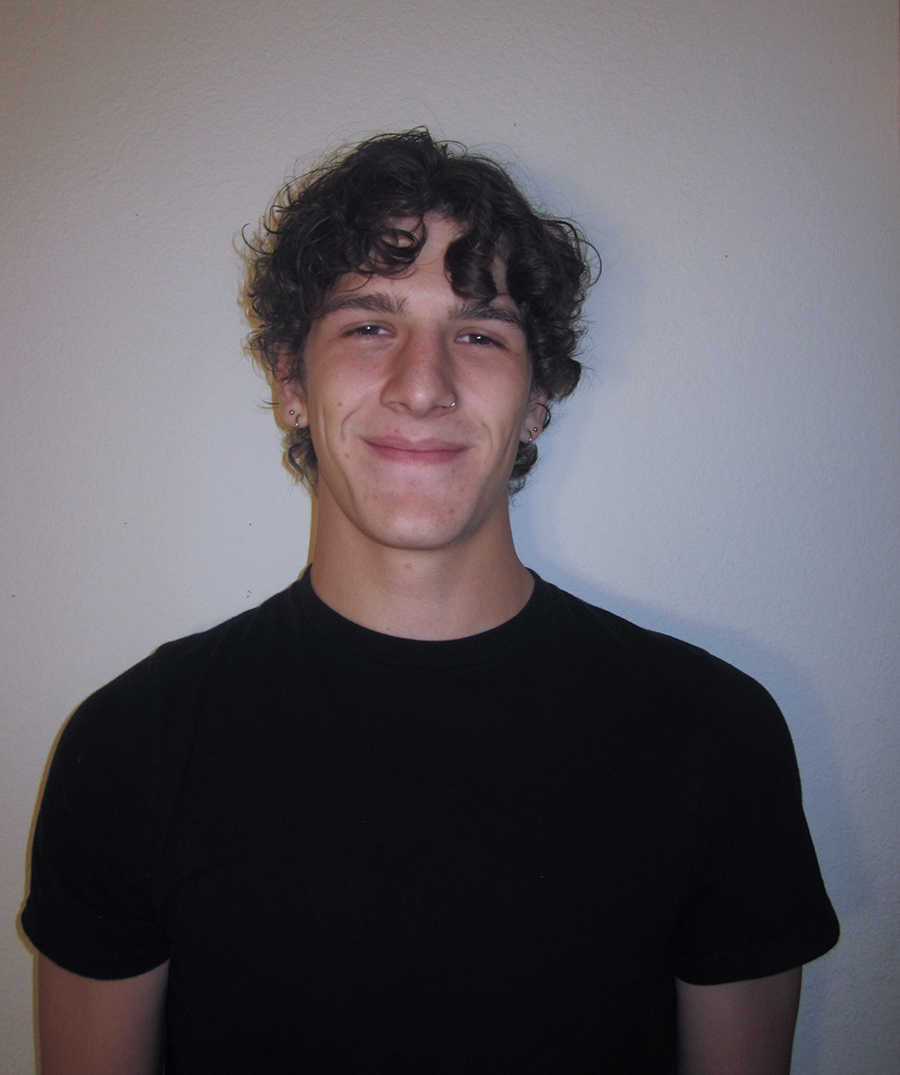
(343, 216)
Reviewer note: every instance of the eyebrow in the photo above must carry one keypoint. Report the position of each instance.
(376, 302)
(380, 302)
(486, 311)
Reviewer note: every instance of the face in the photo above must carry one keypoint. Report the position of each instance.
(416, 401)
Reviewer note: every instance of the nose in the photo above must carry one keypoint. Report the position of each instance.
(420, 379)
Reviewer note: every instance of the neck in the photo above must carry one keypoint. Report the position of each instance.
(433, 594)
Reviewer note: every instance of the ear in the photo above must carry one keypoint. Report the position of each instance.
(533, 424)
(291, 397)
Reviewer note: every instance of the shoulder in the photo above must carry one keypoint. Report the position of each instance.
(115, 781)
(157, 697)
(675, 698)
(661, 662)
(725, 788)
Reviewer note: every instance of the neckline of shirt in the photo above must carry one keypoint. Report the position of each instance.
(509, 638)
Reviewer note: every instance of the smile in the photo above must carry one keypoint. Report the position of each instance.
(421, 453)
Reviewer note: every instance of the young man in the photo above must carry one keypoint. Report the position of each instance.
(422, 812)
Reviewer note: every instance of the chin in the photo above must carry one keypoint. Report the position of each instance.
(424, 520)
(418, 535)
(423, 526)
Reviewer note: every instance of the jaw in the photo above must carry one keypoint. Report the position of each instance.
(424, 508)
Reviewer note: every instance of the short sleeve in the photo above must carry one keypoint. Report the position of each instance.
(90, 907)
(757, 904)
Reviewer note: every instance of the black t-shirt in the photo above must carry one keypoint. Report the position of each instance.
(364, 853)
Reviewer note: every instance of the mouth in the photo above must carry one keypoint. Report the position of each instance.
(416, 453)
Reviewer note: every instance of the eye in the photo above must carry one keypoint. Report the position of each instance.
(366, 330)
(480, 339)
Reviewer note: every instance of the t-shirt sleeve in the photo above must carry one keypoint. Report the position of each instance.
(757, 904)
(91, 908)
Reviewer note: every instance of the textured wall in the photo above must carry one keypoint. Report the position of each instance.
(728, 474)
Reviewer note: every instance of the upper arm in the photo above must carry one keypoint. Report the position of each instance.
(739, 1028)
(88, 1026)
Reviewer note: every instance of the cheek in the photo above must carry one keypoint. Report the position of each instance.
(341, 386)
(505, 401)
(333, 416)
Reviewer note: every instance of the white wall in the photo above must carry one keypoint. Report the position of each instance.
(728, 474)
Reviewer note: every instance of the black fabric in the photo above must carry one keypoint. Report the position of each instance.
(364, 853)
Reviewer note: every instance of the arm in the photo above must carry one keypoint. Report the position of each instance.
(91, 1027)
(740, 1028)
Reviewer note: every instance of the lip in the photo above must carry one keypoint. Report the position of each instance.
(420, 452)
